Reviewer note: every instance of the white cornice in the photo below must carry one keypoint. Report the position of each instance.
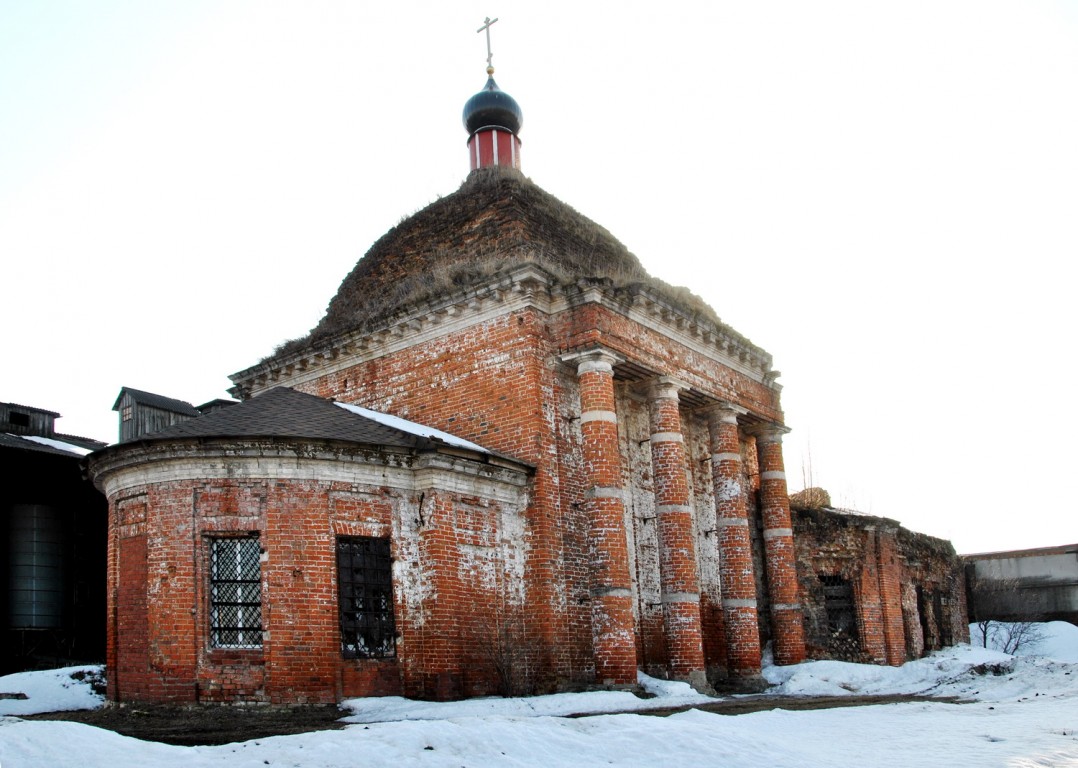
(528, 286)
(135, 465)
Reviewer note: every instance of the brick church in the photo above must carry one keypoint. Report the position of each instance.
(506, 460)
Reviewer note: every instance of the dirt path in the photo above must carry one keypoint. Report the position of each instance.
(189, 726)
(744, 705)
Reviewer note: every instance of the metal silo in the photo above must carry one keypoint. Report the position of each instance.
(35, 567)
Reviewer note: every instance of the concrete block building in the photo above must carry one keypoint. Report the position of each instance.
(1024, 584)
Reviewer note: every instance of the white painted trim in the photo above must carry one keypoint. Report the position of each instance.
(728, 522)
(680, 597)
(667, 437)
(611, 592)
(660, 508)
(464, 310)
(301, 460)
(609, 416)
(748, 602)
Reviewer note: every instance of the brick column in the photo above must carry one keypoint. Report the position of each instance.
(735, 545)
(786, 613)
(677, 549)
(894, 630)
(613, 633)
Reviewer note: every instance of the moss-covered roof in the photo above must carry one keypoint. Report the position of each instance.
(497, 221)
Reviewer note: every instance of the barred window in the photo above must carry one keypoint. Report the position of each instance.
(838, 604)
(841, 614)
(235, 593)
(365, 597)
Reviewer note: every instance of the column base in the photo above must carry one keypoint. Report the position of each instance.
(699, 682)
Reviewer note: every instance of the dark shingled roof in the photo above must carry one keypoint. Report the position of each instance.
(284, 412)
(498, 219)
(156, 401)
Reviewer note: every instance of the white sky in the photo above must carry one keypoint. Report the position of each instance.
(880, 194)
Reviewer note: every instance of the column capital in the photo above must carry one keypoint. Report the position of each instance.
(665, 387)
(724, 411)
(596, 358)
(767, 433)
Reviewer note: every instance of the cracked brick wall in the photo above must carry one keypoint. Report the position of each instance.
(908, 590)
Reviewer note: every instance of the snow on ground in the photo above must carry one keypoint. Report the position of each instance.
(1024, 716)
(53, 691)
(1055, 639)
(389, 708)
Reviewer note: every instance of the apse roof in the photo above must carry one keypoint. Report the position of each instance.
(285, 412)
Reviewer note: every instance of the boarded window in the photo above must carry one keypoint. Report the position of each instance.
(841, 617)
(365, 597)
(235, 593)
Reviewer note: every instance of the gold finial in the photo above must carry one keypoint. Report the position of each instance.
(486, 28)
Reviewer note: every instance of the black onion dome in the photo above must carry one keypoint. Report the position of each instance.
(492, 107)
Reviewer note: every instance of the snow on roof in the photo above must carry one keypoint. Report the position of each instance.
(58, 444)
(412, 427)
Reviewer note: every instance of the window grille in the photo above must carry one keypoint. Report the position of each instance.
(365, 597)
(235, 593)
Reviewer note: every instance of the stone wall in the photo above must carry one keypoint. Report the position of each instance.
(874, 591)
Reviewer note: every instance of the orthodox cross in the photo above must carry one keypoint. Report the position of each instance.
(486, 28)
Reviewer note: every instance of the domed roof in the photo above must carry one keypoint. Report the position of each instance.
(498, 219)
(492, 107)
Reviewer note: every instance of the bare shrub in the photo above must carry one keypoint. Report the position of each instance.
(504, 646)
(1014, 636)
(997, 628)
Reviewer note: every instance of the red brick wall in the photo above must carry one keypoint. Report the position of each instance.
(160, 637)
(129, 659)
(501, 384)
(784, 591)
